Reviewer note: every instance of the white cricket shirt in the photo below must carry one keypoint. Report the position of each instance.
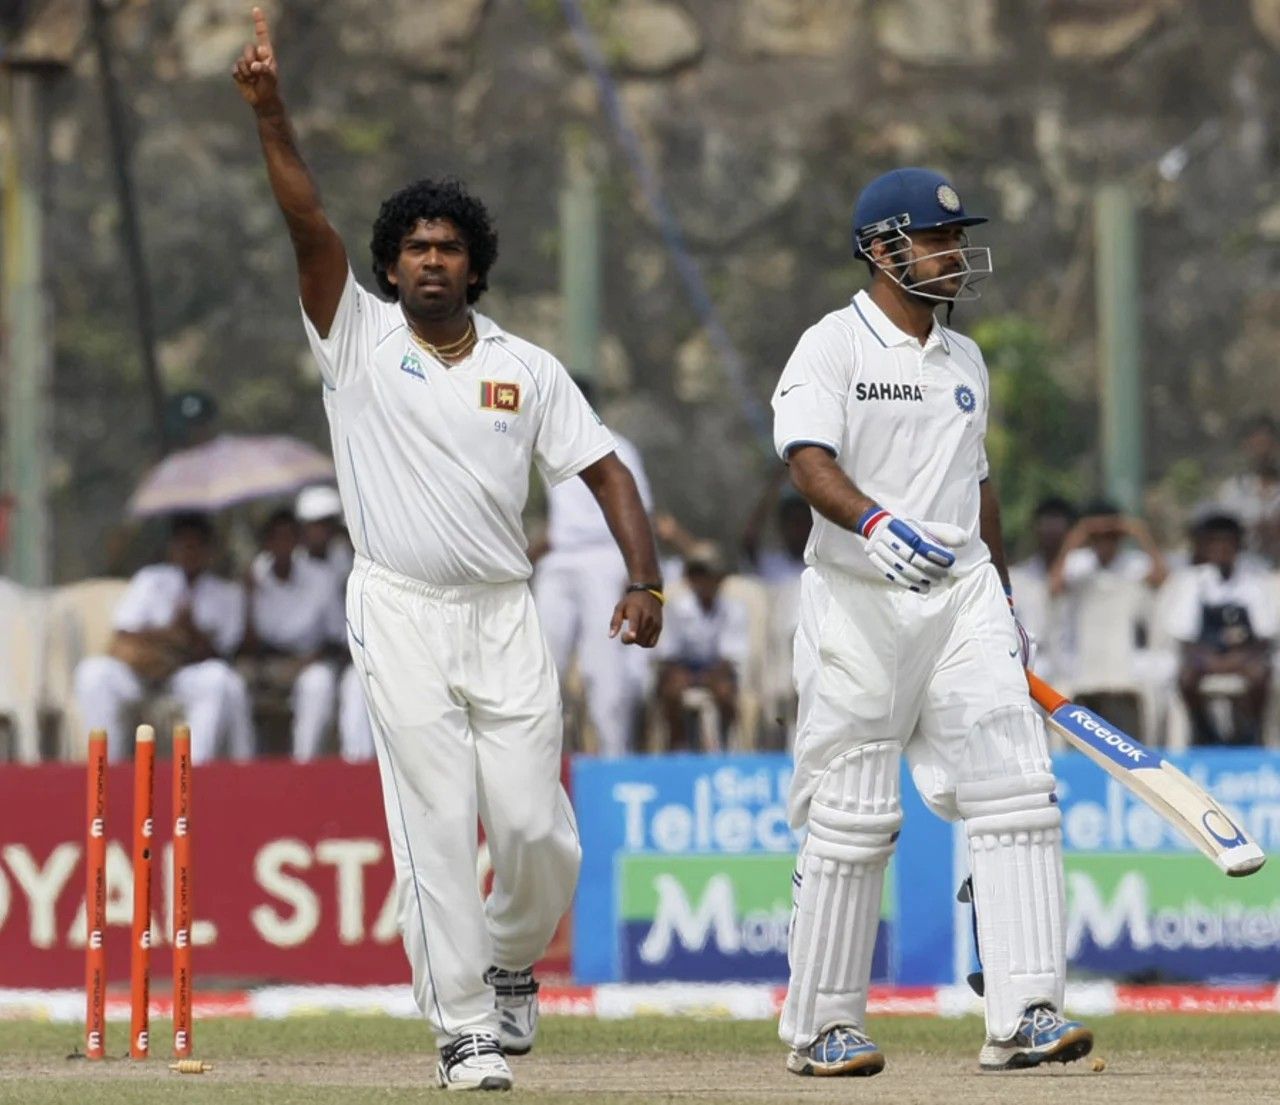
(1201, 586)
(433, 461)
(156, 593)
(574, 518)
(300, 614)
(906, 424)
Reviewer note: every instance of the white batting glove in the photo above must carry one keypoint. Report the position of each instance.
(908, 553)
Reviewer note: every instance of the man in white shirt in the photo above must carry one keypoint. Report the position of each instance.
(174, 628)
(575, 586)
(1254, 494)
(437, 416)
(906, 644)
(1051, 521)
(324, 540)
(1225, 620)
(295, 620)
(704, 645)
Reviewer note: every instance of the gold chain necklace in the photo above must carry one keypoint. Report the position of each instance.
(451, 350)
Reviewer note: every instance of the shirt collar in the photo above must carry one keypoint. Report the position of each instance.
(888, 334)
(486, 328)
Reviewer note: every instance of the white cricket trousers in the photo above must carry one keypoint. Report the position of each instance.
(213, 695)
(576, 592)
(465, 708)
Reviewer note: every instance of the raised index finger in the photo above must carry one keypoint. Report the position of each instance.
(260, 29)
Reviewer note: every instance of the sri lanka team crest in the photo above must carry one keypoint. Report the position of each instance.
(498, 396)
(965, 399)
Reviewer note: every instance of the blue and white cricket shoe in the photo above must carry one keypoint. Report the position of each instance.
(1042, 1036)
(515, 996)
(840, 1049)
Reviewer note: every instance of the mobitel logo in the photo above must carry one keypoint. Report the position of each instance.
(705, 917)
(1135, 912)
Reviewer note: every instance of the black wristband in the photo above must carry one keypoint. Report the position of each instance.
(654, 589)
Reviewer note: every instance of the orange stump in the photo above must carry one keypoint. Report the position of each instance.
(95, 899)
(144, 771)
(182, 977)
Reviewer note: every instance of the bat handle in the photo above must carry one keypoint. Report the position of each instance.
(1043, 694)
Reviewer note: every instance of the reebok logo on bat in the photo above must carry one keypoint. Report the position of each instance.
(1116, 740)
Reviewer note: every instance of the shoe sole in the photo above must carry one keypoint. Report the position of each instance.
(863, 1066)
(508, 1050)
(1073, 1045)
(490, 1082)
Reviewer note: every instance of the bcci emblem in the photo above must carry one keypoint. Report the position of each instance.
(948, 198)
(965, 399)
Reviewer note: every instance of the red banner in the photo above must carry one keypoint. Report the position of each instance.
(292, 876)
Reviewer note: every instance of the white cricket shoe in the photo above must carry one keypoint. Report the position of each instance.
(474, 1061)
(515, 996)
(839, 1050)
(1042, 1036)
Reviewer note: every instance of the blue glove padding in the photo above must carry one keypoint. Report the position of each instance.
(912, 554)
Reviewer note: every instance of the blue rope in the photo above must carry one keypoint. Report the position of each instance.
(687, 267)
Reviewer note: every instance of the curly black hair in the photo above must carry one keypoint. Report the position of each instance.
(433, 199)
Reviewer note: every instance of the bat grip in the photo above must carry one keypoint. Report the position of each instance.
(1043, 694)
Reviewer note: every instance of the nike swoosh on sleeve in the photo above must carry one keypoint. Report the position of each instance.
(782, 394)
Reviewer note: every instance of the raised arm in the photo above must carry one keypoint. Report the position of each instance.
(321, 258)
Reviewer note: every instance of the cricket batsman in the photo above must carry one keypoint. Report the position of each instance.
(908, 644)
(436, 415)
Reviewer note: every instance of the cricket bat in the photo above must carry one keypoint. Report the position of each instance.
(1179, 800)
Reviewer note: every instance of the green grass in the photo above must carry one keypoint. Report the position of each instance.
(302, 1060)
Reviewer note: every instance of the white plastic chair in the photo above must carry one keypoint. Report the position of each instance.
(22, 649)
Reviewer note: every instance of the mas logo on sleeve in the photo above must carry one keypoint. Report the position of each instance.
(498, 396)
(965, 399)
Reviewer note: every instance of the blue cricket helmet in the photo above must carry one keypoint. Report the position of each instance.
(905, 200)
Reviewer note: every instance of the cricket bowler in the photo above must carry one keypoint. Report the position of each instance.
(436, 416)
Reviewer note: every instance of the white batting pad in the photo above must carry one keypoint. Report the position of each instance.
(854, 819)
(1015, 852)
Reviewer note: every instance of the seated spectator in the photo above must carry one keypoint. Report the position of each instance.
(1051, 521)
(1225, 620)
(175, 627)
(1254, 495)
(319, 511)
(703, 645)
(785, 562)
(1097, 543)
(295, 624)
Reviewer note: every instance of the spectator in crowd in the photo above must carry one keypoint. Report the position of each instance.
(295, 623)
(1225, 620)
(1254, 495)
(1097, 543)
(785, 562)
(579, 576)
(779, 568)
(1051, 521)
(703, 645)
(324, 539)
(175, 627)
(674, 543)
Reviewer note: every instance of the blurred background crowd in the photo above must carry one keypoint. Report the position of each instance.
(671, 181)
(240, 626)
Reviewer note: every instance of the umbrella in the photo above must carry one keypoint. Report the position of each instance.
(229, 469)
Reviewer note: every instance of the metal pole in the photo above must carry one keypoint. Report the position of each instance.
(1119, 309)
(580, 260)
(27, 322)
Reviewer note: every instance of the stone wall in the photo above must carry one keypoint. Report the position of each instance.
(761, 117)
